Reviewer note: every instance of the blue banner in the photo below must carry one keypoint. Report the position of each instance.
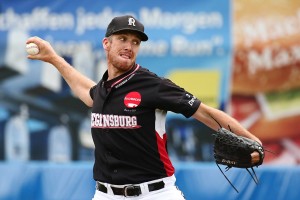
(193, 36)
(189, 43)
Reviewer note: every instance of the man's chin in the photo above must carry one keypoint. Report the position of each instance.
(126, 66)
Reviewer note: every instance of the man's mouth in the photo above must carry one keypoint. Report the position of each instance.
(126, 56)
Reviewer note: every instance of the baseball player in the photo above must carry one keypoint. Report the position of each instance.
(129, 106)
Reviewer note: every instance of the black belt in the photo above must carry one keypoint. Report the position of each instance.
(130, 190)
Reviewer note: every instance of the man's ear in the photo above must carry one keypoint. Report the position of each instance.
(105, 43)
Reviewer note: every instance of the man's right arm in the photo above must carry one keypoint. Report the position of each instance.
(78, 83)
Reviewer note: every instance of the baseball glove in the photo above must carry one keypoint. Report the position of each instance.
(235, 151)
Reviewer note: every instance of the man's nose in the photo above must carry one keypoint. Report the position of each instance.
(128, 45)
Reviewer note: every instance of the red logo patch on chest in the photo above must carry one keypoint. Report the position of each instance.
(132, 99)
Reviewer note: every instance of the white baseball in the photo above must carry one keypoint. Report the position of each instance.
(32, 49)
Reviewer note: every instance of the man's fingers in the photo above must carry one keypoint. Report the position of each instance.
(33, 39)
(255, 157)
(32, 57)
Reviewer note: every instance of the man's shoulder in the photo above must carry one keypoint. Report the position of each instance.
(146, 72)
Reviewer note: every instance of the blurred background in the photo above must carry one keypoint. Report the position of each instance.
(240, 56)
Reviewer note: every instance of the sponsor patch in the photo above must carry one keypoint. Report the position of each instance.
(132, 99)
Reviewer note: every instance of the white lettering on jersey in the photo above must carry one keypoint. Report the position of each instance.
(113, 121)
(192, 100)
(124, 81)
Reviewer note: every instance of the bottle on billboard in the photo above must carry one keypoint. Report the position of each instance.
(17, 140)
(59, 144)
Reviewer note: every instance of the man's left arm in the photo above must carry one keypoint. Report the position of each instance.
(213, 118)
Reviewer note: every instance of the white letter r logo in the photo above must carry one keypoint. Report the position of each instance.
(131, 21)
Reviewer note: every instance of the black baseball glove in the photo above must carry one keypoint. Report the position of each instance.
(235, 151)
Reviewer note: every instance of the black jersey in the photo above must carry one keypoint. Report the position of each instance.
(128, 125)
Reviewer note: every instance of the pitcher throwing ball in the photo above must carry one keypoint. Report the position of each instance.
(129, 107)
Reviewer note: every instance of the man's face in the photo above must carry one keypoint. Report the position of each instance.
(122, 49)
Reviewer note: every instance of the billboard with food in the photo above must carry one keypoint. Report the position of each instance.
(266, 74)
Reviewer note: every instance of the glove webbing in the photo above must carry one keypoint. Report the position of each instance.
(253, 176)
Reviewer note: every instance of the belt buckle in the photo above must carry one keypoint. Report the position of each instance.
(126, 190)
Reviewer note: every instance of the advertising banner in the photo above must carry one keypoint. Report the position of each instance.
(189, 43)
(194, 38)
(266, 75)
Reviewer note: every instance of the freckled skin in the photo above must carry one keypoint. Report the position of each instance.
(121, 50)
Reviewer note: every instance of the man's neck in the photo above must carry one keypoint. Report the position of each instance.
(114, 72)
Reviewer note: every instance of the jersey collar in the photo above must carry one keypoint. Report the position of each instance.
(111, 83)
